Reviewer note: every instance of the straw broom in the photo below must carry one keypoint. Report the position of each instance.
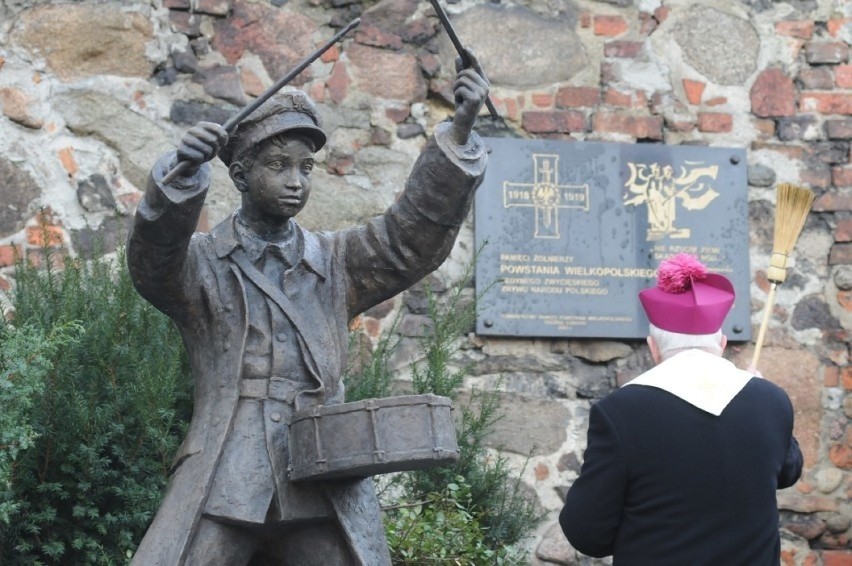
(791, 209)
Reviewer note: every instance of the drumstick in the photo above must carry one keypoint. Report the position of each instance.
(249, 108)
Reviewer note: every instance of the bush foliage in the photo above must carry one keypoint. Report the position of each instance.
(98, 387)
(472, 512)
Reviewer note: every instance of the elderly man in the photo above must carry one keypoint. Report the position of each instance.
(682, 463)
(263, 306)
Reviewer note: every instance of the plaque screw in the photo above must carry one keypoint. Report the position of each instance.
(735, 159)
(489, 323)
(738, 329)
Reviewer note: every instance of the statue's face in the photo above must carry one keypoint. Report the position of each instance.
(278, 184)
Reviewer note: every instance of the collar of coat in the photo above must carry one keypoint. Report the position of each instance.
(704, 380)
(226, 239)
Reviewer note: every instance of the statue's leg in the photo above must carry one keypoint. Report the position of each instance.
(217, 544)
(317, 544)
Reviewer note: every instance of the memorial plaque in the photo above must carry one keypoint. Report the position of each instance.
(574, 230)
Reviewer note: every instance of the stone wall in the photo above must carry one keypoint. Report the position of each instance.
(92, 91)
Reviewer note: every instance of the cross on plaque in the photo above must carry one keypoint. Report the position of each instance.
(545, 195)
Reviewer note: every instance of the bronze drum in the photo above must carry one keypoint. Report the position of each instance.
(373, 436)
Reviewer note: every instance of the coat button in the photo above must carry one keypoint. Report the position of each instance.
(281, 337)
(275, 417)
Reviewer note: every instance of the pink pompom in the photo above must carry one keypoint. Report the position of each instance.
(676, 274)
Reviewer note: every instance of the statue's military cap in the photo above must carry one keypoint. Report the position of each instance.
(288, 111)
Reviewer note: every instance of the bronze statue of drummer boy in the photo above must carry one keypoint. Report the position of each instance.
(263, 306)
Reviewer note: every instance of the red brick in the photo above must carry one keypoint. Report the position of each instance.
(833, 202)
(802, 29)
(694, 90)
(837, 558)
(831, 376)
(8, 254)
(846, 378)
(773, 95)
(332, 55)
(338, 82)
(841, 176)
(614, 97)
(622, 49)
(840, 453)
(553, 121)
(66, 156)
(718, 101)
(840, 254)
(843, 76)
(819, 78)
(715, 122)
(788, 557)
(5, 286)
(826, 52)
(578, 96)
(840, 129)
(640, 127)
(542, 99)
(647, 24)
(843, 231)
(251, 83)
(585, 20)
(44, 235)
(610, 26)
(826, 103)
(817, 177)
(766, 128)
(789, 151)
(542, 472)
(834, 25)
(317, 91)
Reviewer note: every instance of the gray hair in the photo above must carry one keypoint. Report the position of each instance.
(670, 343)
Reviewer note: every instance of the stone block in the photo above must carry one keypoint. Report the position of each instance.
(797, 371)
(17, 106)
(400, 74)
(525, 63)
(728, 58)
(840, 254)
(281, 39)
(84, 39)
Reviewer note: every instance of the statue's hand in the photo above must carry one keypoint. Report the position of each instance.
(470, 90)
(201, 144)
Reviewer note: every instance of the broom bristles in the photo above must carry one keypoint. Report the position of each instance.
(792, 207)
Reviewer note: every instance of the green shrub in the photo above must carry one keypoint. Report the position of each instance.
(99, 418)
(475, 508)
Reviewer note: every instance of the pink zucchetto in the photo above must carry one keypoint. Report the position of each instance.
(687, 299)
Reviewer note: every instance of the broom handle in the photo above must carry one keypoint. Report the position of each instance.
(770, 299)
